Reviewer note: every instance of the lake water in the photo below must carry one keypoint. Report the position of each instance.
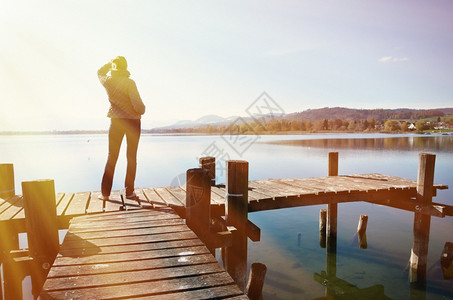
(289, 243)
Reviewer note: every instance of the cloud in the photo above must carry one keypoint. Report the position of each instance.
(393, 59)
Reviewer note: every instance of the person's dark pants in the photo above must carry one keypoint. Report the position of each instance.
(118, 128)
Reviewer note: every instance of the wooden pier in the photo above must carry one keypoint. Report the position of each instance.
(138, 253)
(262, 195)
(98, 228)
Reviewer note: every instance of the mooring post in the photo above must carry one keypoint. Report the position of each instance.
(7, 188)
(256, 281)
(42, 227)
(322, 227)
(419, 253)
(198, 203)
(361, 231)
(208, 163)
(236, 212)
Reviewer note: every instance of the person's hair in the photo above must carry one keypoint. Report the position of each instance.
(119, 63)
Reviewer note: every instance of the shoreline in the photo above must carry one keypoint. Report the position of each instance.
(148, 132)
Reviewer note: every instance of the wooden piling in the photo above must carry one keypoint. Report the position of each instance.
(256, 281)
(333, 164)
(198, 203)
(419, 253)
(331, 228)
(363, 221)
(332, 208)
(361, 231)
(13, 277)
(7, 188)
(42, 227)
(236, 212)
(208, 163)
(322, 227)
(361, 227)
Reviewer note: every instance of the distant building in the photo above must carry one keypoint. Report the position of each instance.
(411, 126)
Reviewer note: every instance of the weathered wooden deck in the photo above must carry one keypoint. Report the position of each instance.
(262, 195)
(149, 254)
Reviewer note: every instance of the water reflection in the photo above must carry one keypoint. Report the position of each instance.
(438, 143)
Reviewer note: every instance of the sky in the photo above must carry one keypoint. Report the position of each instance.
(195, 58)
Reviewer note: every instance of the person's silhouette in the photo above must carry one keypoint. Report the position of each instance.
(126, 108)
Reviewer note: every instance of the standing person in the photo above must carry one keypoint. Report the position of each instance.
(126, 108)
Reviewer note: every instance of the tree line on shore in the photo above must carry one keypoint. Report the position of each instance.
(262, 126)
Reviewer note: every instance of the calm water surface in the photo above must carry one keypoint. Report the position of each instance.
(289, 243)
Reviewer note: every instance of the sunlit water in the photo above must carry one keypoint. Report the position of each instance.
(289, 243)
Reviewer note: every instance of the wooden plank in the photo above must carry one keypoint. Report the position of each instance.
(130, 204)
(175, 227)
(128, 277)
(142, 200)
(143, 288)
(179, 193)
(269, 188)
(168, 197)
(95, 205)
(292, 190)
(2, 201)
(78, 204)
(217, 195)
(306, 186)
(130, 256)
(361, 183)
(319, 185)
(133, 265)
(231, 292)
(129, 247)
(109, 219)
(63, 204)
(112, 226)
(172, 236)
(115, 203)
(153, 198)
(12, 209)
(8, 203)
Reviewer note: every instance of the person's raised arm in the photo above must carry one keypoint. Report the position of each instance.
(102, 72)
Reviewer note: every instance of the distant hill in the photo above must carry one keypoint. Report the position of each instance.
(342, 113)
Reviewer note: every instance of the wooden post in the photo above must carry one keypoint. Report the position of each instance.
(333, 164)
(331, 229)
(322, 227)
(7, 189)
(363, 221)
(361, 231)
(236, 212)
(208, 163)
(198, 203)
(332, 208)
(13, 280)
(419, 253)
(256, 281)
(1, 283)
(42, 227)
